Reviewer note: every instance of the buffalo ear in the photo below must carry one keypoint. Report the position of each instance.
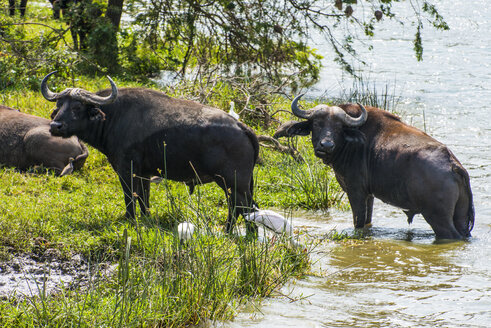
(95, 114)
(293, 128)
(354, 136)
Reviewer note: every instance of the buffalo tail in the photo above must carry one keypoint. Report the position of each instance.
(470, 211)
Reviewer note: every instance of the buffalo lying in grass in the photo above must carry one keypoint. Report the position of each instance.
(374, 154)
(25, 141)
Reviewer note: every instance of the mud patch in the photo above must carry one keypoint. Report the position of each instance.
(31, 275)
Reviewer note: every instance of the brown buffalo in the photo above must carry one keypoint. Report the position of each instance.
(25, 141)
(374, 154)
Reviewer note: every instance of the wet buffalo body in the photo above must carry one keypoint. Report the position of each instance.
(374, 154)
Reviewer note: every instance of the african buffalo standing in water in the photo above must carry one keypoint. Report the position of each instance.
(374, 154)
(145, 133)
(25, 141)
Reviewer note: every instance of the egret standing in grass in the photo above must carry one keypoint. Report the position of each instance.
(270, 220)
(185, 231)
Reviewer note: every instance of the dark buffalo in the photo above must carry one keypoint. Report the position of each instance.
(374, 154)
(145, 133)
(25, 141)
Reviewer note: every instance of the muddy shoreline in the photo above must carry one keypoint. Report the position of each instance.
(31, 274)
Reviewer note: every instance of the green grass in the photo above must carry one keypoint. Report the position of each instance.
(173, 285)
(159, 282)
(285, 183)
(343, 236)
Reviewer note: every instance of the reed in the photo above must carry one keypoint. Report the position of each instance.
(206, 279)
(369, 93)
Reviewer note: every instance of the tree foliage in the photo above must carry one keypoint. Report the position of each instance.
(260, 46)
(269, 37)
(241, 38)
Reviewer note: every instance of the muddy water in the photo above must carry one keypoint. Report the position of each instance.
(400, 277)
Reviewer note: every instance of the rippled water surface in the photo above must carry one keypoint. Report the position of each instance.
(399, 277)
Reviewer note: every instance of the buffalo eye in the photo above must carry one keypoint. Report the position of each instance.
(77, 109)
(316, 125)
(53, 114)
(77, 106)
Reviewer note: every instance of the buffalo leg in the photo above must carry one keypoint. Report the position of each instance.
(239, 202)
(359, 206)
(136, 187)
(134, 190)
(143, 194)
(368, 220)
(129, 199)
(244, 205)
(441, 221)
(463, 215)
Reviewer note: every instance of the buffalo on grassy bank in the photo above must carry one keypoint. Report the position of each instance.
(145, 133)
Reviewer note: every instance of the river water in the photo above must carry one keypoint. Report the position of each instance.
(399, 277)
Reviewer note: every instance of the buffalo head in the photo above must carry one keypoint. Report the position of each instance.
(331, 128)
(75, 107)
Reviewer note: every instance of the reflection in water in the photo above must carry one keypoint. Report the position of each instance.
(384, 280)
(396, 265)
(398, 283)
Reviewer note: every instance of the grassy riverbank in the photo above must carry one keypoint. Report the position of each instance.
(154, 280)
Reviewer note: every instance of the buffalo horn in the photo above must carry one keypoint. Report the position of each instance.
(99, 100)
(45, 91)
(79, 94)
(353, 121)
(297, 111)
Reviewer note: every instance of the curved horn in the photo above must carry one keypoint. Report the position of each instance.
(354, 121)
(297, 111)
(45, 91)
(99, 100)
